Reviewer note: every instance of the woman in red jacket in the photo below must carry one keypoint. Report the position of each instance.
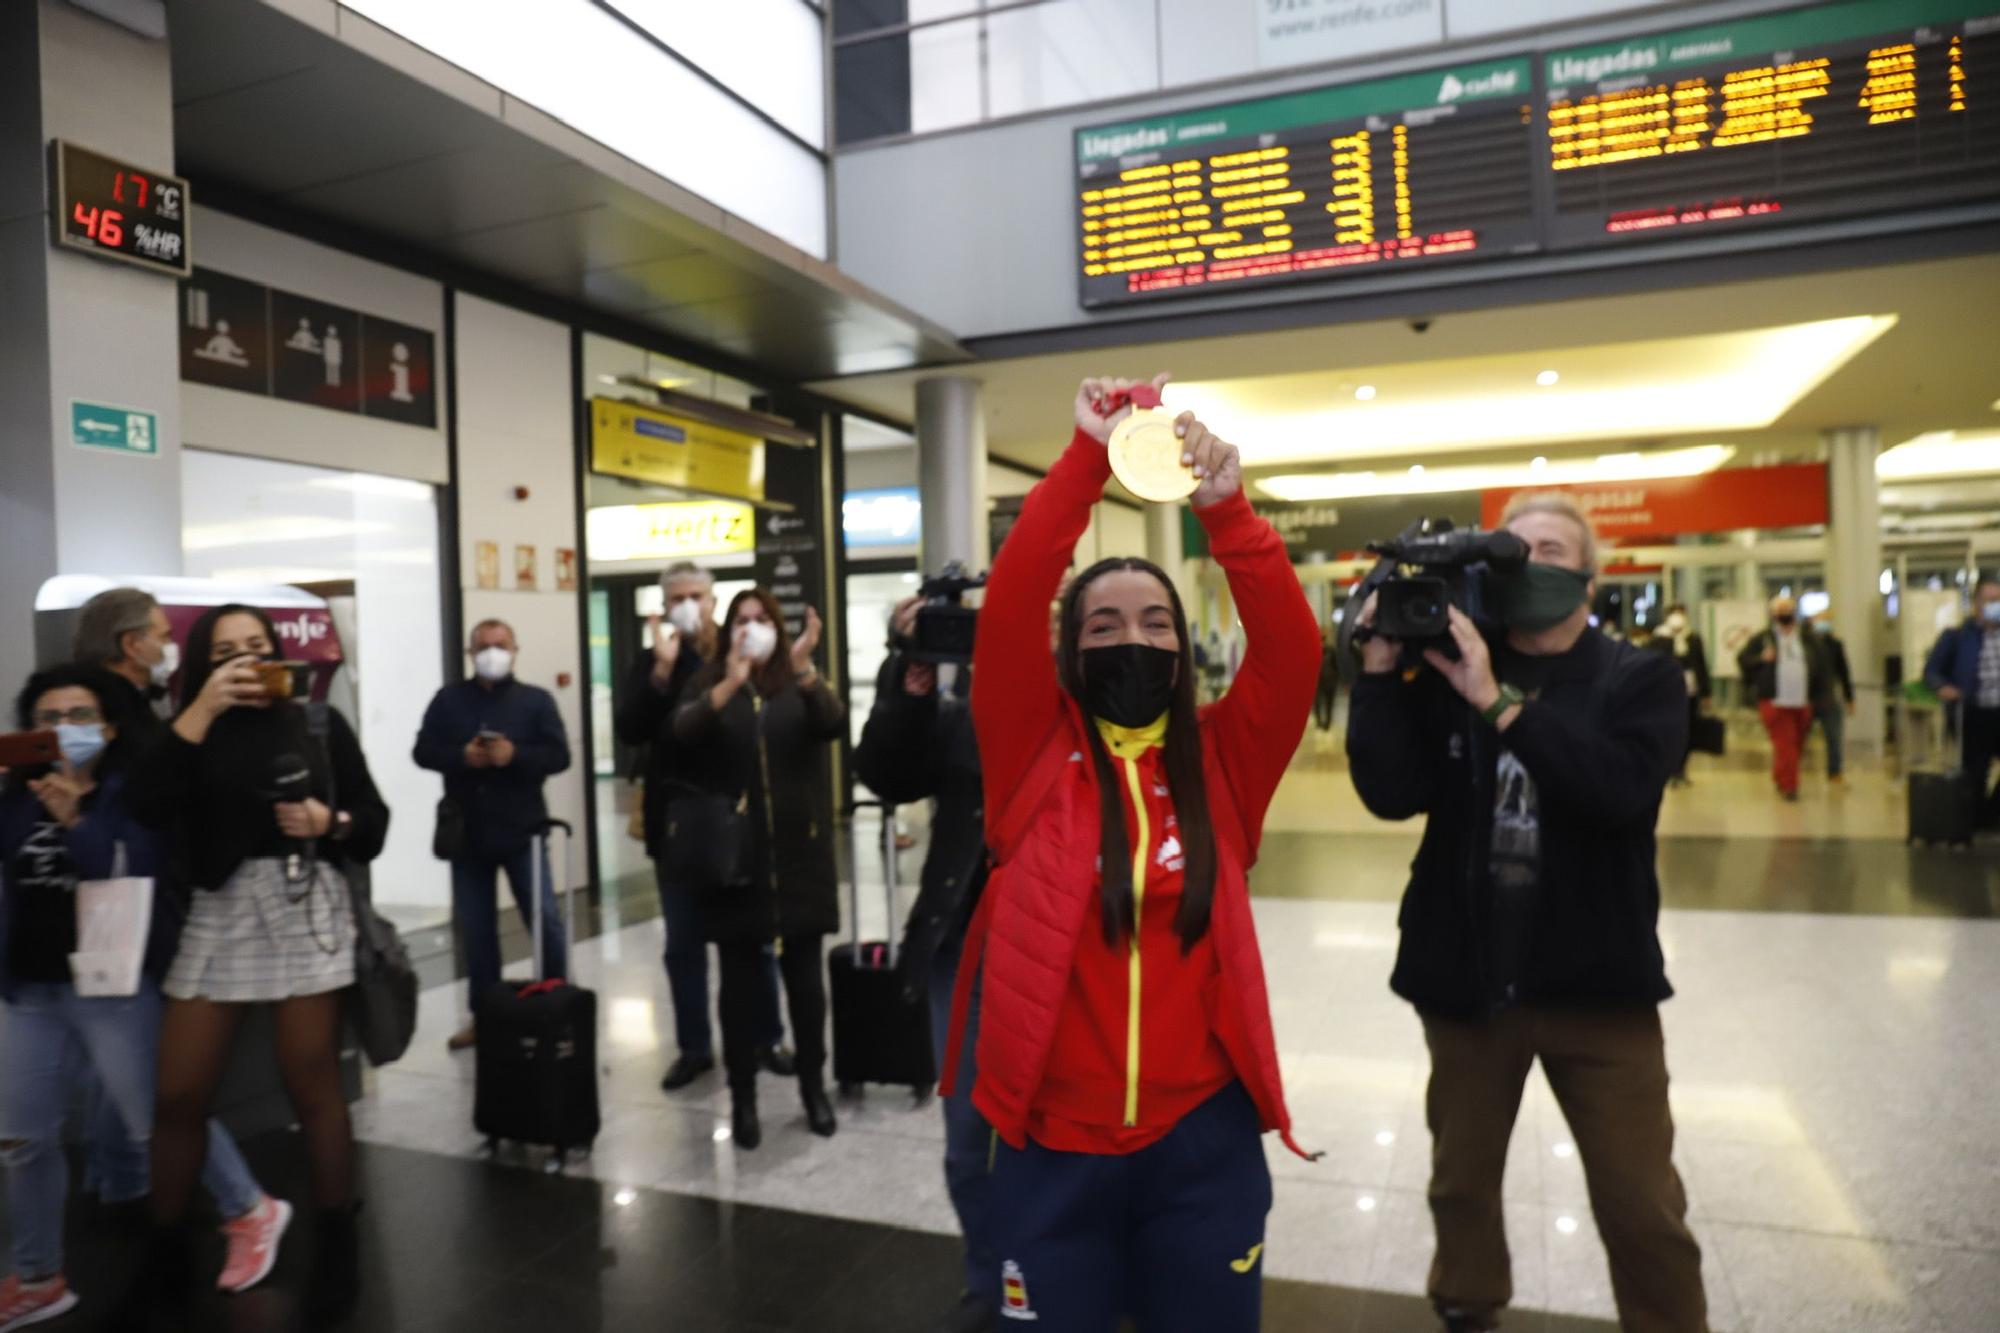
(1125, 1056)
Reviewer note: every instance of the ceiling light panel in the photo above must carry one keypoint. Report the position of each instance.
(1710, 384)
(1660, 464)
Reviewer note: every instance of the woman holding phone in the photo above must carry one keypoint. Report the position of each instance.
(1125, 1055)
(266, 812)
(755, 724)
(70, 823)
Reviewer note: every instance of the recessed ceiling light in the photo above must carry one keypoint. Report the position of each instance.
(1538, 462)
(1546, 378)
(1364, 393)
(1691, 387)
(1938, 453)
(1420, 480)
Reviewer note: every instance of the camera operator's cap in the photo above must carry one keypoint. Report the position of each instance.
(1146, 457)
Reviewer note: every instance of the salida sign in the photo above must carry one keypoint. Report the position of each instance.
(1752, 497)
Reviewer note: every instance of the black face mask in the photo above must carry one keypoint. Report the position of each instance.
(1129, 684)
(1783, 622)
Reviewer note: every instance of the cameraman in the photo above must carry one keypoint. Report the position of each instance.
(1539, 755)
(918, 745)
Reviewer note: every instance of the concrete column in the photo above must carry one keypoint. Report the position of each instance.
(1854, 572)
(1749, 579)
(76, 327)
(1165, 547)
(951, 472)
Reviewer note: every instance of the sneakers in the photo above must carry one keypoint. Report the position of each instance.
(25, 1303)
(253, 1244)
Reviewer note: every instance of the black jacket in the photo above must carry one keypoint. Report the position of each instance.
(1760, 678)
(212, 799)
(645, 720)
(1836, 660)
(1600, 741)
(503, 806)
(1695, 659)
(924, 749)
(769, 749)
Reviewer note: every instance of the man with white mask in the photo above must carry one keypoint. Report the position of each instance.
(496, 741)
(680, 643)
(124, 631)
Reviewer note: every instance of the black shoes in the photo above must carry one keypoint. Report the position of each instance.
(819, 1111)
(684, 1070)
(743, 1124)
(972, 1314)
(777, 1059)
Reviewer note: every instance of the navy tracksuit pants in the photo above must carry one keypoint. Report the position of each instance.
(1171, 1236)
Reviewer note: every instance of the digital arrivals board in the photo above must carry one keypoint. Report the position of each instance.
(1872, 106)
(1839, 110)
(1417, 169)
(119, 211)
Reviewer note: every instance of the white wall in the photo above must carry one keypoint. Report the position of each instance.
(517, 427)
(244, 423)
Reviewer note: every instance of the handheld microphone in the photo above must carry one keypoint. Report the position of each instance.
(291, 782)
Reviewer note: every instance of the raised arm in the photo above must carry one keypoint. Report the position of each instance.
(1016, 699)
(1257, 725)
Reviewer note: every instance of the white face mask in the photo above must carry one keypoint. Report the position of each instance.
(685, 615)
(760, 640)
(493, 663)
(163, 670)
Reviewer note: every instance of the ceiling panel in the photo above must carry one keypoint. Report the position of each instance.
(278, 109)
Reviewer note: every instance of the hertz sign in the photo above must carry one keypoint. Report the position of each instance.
(671, 531)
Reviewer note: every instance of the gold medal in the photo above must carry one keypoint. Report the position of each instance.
(1146, 457)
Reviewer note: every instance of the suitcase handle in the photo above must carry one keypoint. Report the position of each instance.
(888, 809)
(540, 859)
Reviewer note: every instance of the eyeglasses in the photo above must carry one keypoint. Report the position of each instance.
(81, 715)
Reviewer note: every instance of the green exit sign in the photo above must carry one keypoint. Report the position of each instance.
(124, 429)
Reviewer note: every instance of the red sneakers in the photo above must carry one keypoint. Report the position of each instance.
(253, 1245)
(25, 1303)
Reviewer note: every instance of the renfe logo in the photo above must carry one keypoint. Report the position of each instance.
(1499, 81)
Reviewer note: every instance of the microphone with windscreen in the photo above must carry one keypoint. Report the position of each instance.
(291, 782)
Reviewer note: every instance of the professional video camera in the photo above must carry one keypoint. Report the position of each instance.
(1424, 571)
(945, 624)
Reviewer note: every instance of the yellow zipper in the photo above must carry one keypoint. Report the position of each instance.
(1140, 856)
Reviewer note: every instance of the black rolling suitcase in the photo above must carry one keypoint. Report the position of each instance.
(536, 1048)
(1944, 801)
(881, 1031)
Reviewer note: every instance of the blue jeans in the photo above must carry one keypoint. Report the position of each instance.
(967, 1138)
(687, 973)
(475, 902)
(47, 1034)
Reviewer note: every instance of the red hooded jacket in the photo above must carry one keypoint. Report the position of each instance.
(1043, 803)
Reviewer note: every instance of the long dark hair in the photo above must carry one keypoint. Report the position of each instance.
(1185, 782)
(195, 666)
(776, 671)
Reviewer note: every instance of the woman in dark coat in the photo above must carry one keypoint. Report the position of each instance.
(754, 723)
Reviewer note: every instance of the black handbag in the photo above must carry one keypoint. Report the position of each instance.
(707, 840)
(1707, 735)
(382, 1006)
(448, 838)
(382, 1003)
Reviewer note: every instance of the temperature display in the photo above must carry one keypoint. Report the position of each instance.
(120, 211)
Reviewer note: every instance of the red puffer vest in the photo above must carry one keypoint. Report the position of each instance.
(1044, 805)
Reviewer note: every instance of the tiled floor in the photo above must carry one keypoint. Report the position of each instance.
(1832, 1076)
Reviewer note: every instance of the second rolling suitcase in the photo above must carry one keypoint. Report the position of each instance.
(536, 1047)
(881, 1034)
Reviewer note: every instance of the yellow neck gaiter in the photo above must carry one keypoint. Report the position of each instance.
(1131, 742)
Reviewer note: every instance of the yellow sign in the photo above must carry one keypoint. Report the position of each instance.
(646, 444)
(670, 531)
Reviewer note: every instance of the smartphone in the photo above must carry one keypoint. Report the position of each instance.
(285, 680)
(29, 749)
(487, 736)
